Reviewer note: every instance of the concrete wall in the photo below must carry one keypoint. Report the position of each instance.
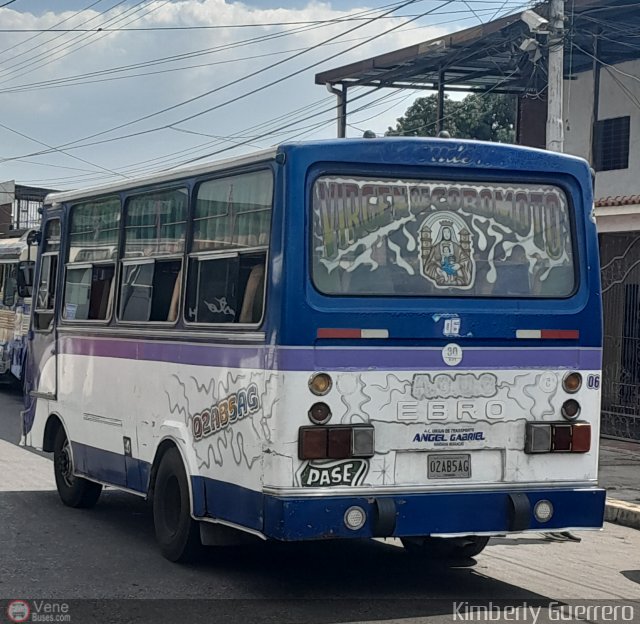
(614, 102)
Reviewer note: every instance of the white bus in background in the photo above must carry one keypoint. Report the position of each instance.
(17, 260)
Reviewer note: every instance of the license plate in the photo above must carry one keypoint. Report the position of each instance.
(449, 466)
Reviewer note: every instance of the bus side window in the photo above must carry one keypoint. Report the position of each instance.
(227, 264)
(227, 289)
(90, 272)
(151, 277)
(148, 289)
(46, 291)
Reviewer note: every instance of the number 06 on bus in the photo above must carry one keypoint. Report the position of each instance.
(341, 339)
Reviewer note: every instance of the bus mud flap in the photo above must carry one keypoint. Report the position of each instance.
(519, 512)
(384, 520)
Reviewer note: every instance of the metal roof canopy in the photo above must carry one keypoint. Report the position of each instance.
(488, 57)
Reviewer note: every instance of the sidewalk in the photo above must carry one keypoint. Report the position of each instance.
(620, 475)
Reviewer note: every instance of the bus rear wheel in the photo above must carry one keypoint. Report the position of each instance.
(73, 491)
(176, 532)
(446, 548)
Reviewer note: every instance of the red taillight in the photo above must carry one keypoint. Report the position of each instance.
(581, 438)
(312, 443)
(561, 438)
(339, 443)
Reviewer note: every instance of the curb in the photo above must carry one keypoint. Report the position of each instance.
(621, 512)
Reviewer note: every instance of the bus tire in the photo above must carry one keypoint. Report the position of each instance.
(177, 533)
(446, 548)
(73, 491)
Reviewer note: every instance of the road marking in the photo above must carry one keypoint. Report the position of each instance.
(23, 471)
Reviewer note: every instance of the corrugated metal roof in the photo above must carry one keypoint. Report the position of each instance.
(489, 56)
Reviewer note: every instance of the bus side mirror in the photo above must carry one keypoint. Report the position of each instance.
(33, 240)
(25, 278)
(34, 237)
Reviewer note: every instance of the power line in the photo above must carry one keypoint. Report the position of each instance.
(64, 21)
(61, 151)
(182, 28)
(613, 67)
(110, 21)
(272, 132)
(79, 79)
(82, 37)
(169, 59)
(74, 144)
(7, 3)
(289, 115)
(38, 46)
(288, 125)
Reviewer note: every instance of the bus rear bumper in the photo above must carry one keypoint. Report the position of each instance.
(433, 513)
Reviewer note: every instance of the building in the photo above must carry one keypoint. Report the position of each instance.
(20, 206)
(601, 124)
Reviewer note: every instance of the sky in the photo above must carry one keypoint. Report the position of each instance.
(84, 108)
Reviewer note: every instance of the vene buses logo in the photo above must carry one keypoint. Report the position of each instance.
(18, 611)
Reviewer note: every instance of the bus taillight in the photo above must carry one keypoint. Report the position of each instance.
(335, 442)
(558, 437)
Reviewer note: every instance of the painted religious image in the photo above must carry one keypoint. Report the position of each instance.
(447, 254)
(390, 237)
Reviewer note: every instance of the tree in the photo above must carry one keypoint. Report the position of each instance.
(486, 117)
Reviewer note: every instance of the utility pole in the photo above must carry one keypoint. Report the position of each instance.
(555, 121)
(440, 125)
(341, 108)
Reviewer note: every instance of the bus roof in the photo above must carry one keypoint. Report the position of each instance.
(163, 176)
(449, 151)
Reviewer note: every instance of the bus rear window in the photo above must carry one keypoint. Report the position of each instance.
(391, 237)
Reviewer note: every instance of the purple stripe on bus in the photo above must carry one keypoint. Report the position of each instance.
(410, 359)
(307, 359)
(178, 353)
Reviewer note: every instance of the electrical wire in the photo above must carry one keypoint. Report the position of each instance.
(49, 41)
(117, 138)
(182, 28)
(89, 38)
(289, 115)
(79, 79)
(612, 67)
(285, 119)
(42, 32)
(87, 162)
(119, 18)
(74, 144)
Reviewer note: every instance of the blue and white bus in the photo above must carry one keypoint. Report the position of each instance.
(337, 339)
(17, 261)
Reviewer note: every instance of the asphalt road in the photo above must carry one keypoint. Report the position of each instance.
(108, 555)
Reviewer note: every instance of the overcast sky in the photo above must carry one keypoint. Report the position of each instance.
(59, 89)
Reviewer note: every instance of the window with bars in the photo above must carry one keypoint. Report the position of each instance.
(611, 143)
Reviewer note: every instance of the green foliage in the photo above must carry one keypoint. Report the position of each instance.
(478, 116)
